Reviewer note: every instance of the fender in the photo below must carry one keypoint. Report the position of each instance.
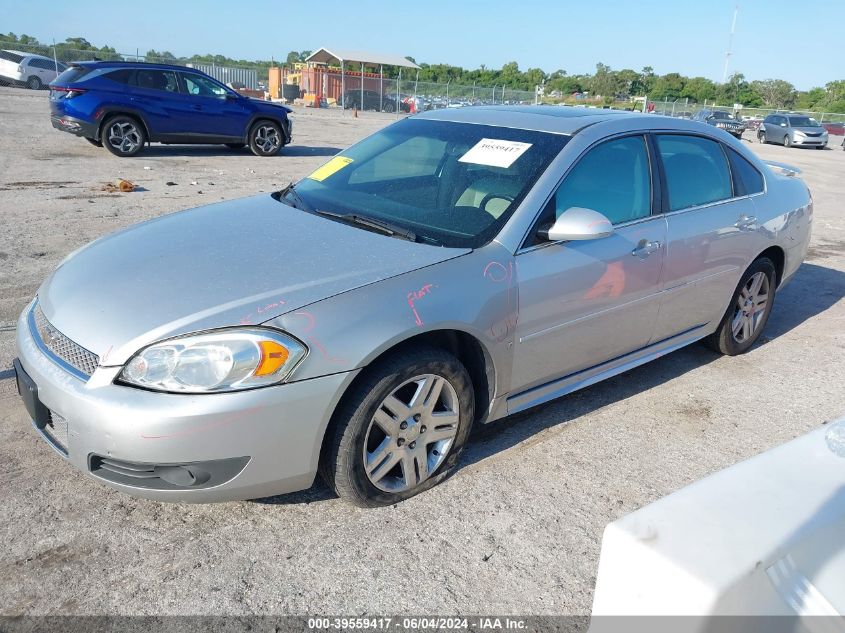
(283, 122)
(104, 111)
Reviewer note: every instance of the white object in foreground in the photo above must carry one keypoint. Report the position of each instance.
(763, 537)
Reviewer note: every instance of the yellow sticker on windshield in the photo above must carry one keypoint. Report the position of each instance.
(332, 167)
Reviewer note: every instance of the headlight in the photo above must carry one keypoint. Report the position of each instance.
(798, 133)
(223, 360)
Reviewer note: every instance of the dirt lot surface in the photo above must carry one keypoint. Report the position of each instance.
(516, 531)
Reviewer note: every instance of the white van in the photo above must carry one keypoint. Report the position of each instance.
(26, 69)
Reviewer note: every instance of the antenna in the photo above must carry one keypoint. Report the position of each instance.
(729, 52)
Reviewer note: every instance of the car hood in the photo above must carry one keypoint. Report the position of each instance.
(809, 129)
(269, 106)
(240, 262)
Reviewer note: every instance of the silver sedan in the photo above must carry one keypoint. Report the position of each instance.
(452, 269)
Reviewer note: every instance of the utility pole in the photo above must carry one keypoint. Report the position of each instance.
(729, 52)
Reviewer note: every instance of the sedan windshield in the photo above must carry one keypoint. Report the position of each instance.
(803, 121)
(446, 183)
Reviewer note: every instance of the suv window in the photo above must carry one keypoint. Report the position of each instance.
(202, 86)
(613, 178)
(122, 76)
(73, 74)
(747, 179)
(696, 170)
(152, 79)
(11, 57)
(45, 64)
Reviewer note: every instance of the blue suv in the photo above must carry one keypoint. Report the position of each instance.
(123, 105)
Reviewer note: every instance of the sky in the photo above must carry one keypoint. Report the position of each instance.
(801, 42)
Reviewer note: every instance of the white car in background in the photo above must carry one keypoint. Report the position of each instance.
(25, 69)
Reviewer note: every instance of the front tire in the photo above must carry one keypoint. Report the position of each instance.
(34, 83)
(787, 142)
(266, 138)
(401, 430)
(748, 311)
(761, 137)
(389, 107)
(123, 136)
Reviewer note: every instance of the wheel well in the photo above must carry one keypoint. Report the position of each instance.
(110, 115)
(776, 254)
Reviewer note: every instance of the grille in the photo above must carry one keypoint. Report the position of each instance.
(56, 431)
(62, 347)
(813, 134)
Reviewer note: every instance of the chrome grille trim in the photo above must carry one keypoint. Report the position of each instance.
(73, 357)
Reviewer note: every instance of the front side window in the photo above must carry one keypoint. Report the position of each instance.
(696, 170)
(202, 86)
(150, 79)
(453, 184)
(613, 178)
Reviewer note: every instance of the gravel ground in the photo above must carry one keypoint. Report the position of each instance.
(516, 531)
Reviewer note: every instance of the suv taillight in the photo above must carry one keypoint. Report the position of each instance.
(70, 93)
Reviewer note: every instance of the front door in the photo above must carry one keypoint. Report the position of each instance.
(582, 303)
(214, 111)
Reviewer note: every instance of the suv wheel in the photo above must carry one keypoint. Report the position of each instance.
(401, 430)
(265, 138)
(34, 83)
(123, 136)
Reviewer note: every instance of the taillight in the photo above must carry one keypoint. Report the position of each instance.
(70, 93)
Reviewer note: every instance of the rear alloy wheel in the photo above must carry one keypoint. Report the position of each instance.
(749, 310)
(265, 138)
(787, 141)
(34, 83)
(400, 431)
(123, 136)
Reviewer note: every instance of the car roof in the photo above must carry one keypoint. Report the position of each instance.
(132, 64)
(552, 119)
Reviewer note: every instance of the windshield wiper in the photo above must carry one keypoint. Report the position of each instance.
(386, 228)
(289, 194)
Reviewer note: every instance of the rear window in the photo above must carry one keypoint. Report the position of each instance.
(73, 74)
(11, 57)
(747, 179)
(696, 170)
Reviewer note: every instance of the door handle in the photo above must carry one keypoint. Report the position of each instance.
(645, 248)
(197, 106)
(746, 223)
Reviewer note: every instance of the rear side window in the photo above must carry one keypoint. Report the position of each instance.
(11, 57)
(696, 170)
(73, 74)
(747, 180)
(123, 76)
(151, 79)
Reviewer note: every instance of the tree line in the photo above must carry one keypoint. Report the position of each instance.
(605, 84)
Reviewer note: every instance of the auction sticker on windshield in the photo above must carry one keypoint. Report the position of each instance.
(332, 167)
(494, 153)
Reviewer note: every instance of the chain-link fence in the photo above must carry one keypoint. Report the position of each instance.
(686, 108)
(35, 66)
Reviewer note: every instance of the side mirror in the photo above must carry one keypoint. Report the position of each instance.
(577, 223)
(783, 124)
(231, 96)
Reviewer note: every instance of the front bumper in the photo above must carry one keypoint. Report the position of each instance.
(808, 140)
(74, 125)
(266, 441)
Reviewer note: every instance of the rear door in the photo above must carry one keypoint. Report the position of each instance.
(156, 94)
(711, 231)
(214, 110)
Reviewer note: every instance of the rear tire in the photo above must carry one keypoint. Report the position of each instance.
(123, 136)
(266, 138)
(34, 83)
(401, 430)
(749, 310)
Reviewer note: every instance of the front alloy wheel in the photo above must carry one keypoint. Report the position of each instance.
(265, 139)
(411, 433)
(400, 430)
